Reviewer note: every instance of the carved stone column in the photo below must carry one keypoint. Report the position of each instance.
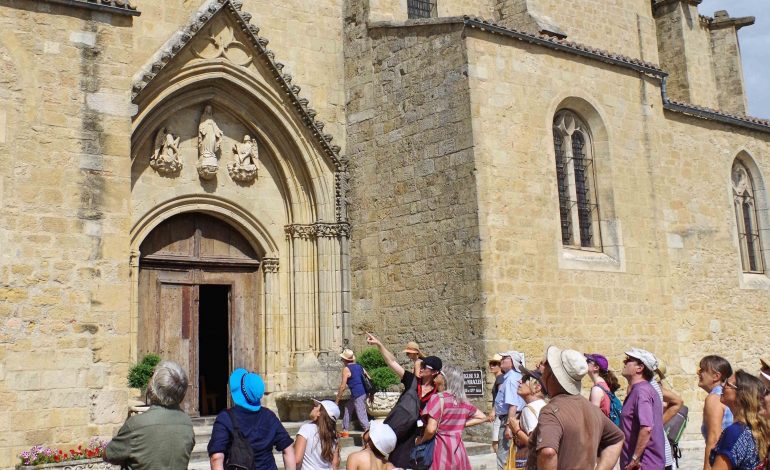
(303, 280)
(330, 276)
(275, 336)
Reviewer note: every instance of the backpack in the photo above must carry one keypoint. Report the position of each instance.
(368, 385)
(241, 455)
(674, 429)
(616, 407)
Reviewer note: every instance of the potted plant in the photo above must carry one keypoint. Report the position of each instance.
(83, 457)
(384, 381)
(139, 377)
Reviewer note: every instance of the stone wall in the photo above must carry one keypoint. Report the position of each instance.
(414, 244)
(598, 23)
(663, 186)
(64, 188)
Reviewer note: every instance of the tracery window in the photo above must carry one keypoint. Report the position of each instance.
(575, 179)
(744, 200)
(421, 8)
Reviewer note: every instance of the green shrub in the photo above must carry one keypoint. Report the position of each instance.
(139, 375)
(371, 359)
(383, 378)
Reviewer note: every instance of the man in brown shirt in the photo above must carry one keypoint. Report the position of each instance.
(572, 434)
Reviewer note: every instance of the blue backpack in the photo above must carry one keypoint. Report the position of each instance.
(616, 407)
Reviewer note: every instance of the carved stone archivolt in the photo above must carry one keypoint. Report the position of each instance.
(165, 155)
(318, 230)
(209, 144)
(243, 169)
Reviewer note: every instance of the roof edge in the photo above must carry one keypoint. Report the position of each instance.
(128, 9)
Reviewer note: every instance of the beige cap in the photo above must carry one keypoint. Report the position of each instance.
(661, 370)
(412, 347)
(495, 358)
(568, 366)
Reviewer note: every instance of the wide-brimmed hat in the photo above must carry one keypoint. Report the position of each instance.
(568, 366)
(599, 360)
(433, 363)
(382, 436)
(330, 407)
(247, 389)
(495, 358)
(645, 357)
(412, 347)
(516, 357)
(348, 355)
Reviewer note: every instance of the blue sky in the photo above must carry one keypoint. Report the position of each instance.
(755, 48)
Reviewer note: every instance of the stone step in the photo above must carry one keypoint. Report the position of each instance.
(479, 452)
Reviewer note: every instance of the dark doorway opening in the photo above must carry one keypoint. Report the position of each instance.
(214, 347)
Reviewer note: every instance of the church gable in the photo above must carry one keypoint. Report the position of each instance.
(220, 33)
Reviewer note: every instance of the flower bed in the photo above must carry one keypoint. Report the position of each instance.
(82, 457)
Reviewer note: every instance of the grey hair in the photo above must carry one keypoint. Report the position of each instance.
(168, 384)
(455, 382)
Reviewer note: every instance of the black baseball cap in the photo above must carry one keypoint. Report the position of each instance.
(433, 363)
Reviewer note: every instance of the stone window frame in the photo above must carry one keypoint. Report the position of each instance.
(751, 279)
(608, 254)
(420, 9)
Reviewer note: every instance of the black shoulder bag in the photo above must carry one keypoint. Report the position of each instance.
(241, 455)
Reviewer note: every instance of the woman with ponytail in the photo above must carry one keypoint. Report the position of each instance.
(316, 445)
(605, 382)
(743, 444)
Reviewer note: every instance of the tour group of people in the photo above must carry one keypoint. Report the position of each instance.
(541, 420)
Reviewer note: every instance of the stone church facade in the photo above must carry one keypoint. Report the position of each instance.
(255, 183)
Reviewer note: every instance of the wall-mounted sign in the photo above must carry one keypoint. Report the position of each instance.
(474, 383)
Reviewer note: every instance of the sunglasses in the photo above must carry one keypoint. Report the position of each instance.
(729, 385)
(494, 364)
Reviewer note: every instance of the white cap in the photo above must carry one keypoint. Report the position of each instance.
(569, 367)
(382, 436)
(646, 357)
(331, 408)
(516, 357)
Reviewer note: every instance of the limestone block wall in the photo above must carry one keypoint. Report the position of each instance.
(396, 10)
(679, 291)
(684, 46)
(305, 36)
(414, 243)
(621, 26)
(64, 190)
(728, 70)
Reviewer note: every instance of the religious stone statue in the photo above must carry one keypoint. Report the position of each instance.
(209, 142)
(165, 156)
(246, 156)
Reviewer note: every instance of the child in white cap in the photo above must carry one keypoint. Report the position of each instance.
(379, 441)
(316, 444)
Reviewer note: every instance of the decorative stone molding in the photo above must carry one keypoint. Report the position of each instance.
(270, 265)
(341, 189)
(318, 230)
(119, 7)
(227, 48)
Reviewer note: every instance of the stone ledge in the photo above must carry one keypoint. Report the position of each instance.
(110, 6)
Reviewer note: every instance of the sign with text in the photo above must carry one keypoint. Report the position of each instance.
(474, 383)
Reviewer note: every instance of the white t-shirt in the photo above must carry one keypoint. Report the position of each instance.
(312, 459)
(528, 419)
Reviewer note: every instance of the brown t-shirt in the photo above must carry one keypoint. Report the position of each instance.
(576, 429)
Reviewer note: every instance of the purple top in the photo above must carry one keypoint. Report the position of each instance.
(643, 408)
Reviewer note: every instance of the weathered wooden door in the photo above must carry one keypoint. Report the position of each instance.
(179, 256)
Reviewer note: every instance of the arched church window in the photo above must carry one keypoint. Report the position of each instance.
(578, 209)
(744, 200)
(421, 9)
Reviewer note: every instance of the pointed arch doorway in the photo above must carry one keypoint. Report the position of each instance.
(199, 304)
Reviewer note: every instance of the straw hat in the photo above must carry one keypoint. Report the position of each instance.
(348, 355)
(413, 347)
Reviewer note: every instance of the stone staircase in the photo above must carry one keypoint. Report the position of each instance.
(202, 427)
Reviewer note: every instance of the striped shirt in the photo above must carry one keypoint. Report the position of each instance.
(668, 453)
